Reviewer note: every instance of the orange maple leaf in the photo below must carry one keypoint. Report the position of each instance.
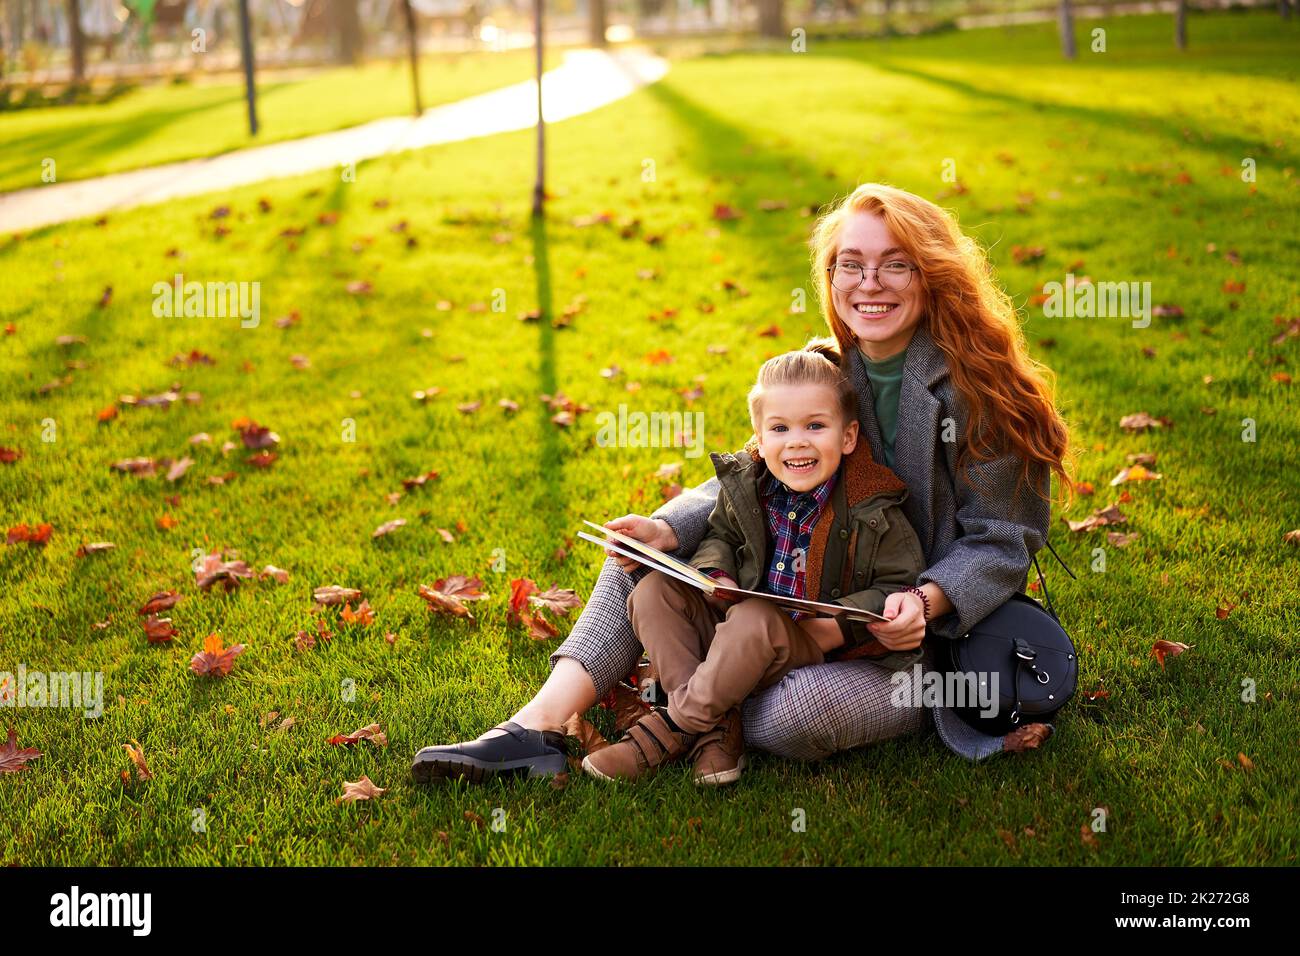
(215, 659)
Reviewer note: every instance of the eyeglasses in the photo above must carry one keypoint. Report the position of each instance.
(893, 275)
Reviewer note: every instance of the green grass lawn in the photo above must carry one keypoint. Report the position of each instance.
(163, 123)
(1123, 166)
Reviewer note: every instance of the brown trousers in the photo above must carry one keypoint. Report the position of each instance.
(709, 660)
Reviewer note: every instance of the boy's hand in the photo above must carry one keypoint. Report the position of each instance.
(717, 600)
(655, 532)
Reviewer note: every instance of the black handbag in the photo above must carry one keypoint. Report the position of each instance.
(1025, 645)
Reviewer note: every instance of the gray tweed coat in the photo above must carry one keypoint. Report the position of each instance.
(979, 542)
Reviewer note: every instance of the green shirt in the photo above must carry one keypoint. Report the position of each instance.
(886, 377)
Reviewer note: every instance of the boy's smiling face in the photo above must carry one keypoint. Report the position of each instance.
(802, 434)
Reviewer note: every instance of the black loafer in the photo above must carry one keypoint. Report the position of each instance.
(535, 753)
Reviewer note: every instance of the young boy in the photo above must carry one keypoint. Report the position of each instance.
(803, 511)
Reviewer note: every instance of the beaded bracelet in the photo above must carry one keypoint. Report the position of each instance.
(925, 601)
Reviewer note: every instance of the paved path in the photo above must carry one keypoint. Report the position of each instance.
(587, 80)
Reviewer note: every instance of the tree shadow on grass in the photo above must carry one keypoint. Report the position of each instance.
(550, 460)
(717, 148)
(99, 139)
(1218, 145)
(90, 138)
(550, 501)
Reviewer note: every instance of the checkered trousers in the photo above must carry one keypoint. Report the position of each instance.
(809, 714)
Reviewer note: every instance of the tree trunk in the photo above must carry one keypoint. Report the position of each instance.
(539, 187)
(347, 26)
(413, 48)
(1180, 25)
(77, 40)
(596, 22)
(771, 18)
(1065, 22)
(246, 54)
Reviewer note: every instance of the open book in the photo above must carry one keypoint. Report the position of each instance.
(656, 560)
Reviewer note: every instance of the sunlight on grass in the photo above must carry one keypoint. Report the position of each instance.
(435, 233)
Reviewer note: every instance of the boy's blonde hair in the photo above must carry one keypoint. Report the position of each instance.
(817, 363)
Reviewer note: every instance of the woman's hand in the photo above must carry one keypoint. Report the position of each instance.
(906, 627)
(655, 532)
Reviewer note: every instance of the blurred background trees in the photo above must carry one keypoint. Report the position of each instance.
(46, 43)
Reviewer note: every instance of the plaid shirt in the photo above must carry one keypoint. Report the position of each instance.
(791, 516)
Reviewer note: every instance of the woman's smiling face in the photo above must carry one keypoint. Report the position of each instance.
(883, 319)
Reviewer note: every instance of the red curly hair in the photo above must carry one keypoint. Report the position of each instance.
(1009, 396)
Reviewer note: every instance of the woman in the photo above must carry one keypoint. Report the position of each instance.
(949, 398)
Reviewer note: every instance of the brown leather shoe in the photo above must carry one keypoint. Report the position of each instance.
(719, 755)
(648, 745)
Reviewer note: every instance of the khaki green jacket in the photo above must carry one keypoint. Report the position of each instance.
(862, 548)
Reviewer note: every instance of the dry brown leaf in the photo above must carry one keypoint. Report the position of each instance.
(136, 753)
(271, 571)
(1141, 421)
(363, 789)
(179, 468)
(369, 732)
(158, 630)
(419, 480)
(557, 600)
(1162, 648)
(539, 628)
(11, 758)
(94, 548)
(215, 660)
(1028, 737)
(159, 602)
(216, 569)
(333, 594)
(1135, 473)
(135, 466)
(1100, 518)
(589, 738)
(448, 595)
(627, 705)
(254, 436)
